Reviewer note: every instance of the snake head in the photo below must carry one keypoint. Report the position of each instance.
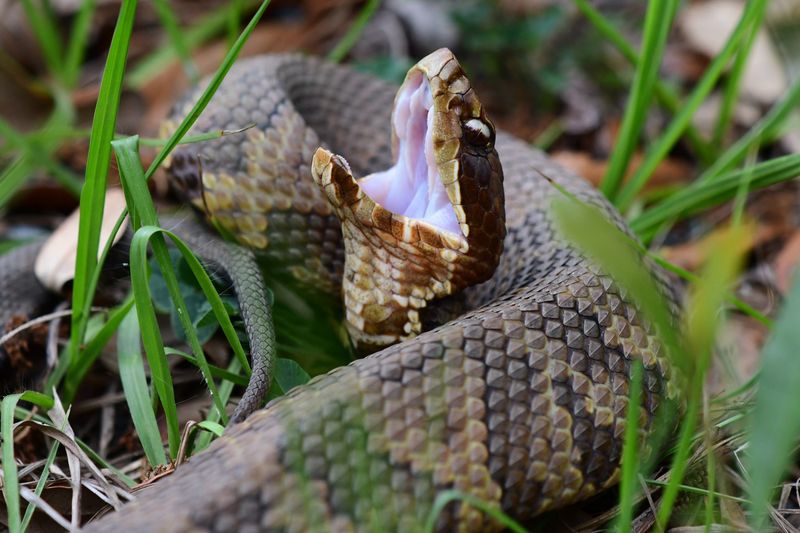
(432, 224)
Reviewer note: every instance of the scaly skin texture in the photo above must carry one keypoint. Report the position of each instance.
(244, 272)
(521, 401)
(21, 294)
(22, 297)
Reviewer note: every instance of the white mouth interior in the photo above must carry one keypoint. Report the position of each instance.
(412, 187)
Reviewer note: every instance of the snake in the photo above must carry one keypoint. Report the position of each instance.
(501, 353)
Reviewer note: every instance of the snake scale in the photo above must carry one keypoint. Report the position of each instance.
(516, 389)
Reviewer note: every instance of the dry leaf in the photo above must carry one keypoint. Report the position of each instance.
(668, 172)
(55, 264)
(690, 255)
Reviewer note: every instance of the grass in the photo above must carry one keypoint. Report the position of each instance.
(654, 39)
(702, 323)
(767, 426)
(660, 148)
(631, 458)
(351, 37)
(137, 393)
(94, 188)
(176, 38)
(665, 94)
(10, 478)
(448, 496)
(775, 421)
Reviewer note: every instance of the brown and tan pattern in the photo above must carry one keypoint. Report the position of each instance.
(395, 265)
(520, 401)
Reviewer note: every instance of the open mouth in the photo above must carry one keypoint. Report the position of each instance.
(433, 223)
(412, 187)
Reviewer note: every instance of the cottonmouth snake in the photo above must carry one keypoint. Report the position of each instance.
(518, 394)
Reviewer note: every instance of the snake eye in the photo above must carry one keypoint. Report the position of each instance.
(479, 133)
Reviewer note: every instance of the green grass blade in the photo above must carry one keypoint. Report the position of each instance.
(351, 37)
(137, 395)
(775, 420)
(188, 139)
(702, 322)
(136, 192)
(62, 174)
(711, 465)
(215, 429)
(731, 93)
(654, 39)
(698, 490)
(13, 177)
(140, 203)
(217, 372)
(209, 91)
(10, 480)
(234, 19)
(151, 337)
(629, 483)
(99, 157)
(761, 133)
(79, 36)
(40, 485)
(80, 366)
(10, 136)
(225, 391)
(448, 496)
(664, 144)
(162, 57)
(155, 234)
(664, 93)
(92, 350)
(702, 195)
(35, 150)
(740, 200)
(44, 28)
(691, 277)
(176, 38)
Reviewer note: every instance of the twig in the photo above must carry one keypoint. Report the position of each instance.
(42, 319)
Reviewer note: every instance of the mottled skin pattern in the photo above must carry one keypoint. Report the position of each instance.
(256, 184)
(520, 401)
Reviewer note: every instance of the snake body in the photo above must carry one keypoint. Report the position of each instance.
(22, 298)
(520, 400)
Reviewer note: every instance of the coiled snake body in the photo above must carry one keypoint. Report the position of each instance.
(520, 401)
